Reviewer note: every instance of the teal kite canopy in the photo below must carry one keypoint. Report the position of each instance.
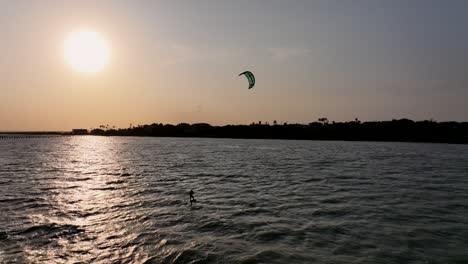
(250, 77)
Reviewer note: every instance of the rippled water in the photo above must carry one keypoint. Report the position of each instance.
(125, 200)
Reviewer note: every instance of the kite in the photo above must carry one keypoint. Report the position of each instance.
(250, 77)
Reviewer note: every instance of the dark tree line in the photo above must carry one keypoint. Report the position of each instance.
(404, 130)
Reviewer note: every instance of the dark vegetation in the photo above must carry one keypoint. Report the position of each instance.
(403, 130)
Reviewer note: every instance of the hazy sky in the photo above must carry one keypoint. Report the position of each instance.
(178, 61)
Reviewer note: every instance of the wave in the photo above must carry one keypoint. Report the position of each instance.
(80, 179)
(21, 200)
(112, 188)
(116, 182)
(3, 235)
(51, 230)
(275, 255)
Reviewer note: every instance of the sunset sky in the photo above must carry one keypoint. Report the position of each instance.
(178, 61)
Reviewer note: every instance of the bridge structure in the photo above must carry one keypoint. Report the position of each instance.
(20, 136)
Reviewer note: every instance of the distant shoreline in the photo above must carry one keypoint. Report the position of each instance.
(402, 130)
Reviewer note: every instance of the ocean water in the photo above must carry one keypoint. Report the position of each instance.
(86, 199)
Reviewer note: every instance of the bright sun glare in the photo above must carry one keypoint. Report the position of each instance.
(86, 51)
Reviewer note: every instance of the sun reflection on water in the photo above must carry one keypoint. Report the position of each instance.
(88, 194)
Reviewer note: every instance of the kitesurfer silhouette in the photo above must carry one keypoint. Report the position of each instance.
(192, 199)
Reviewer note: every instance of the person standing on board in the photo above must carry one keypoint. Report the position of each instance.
(192, 199)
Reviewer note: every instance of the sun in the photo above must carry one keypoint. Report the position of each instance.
(86, 51)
